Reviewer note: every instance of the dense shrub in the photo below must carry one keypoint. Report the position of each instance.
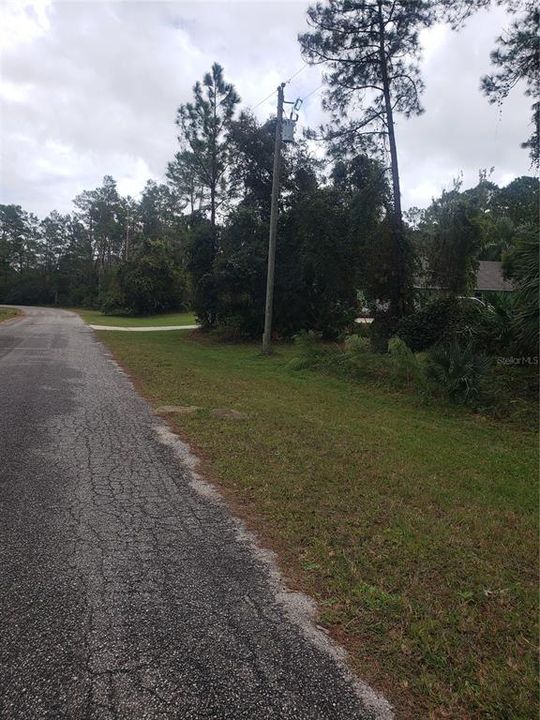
(486, 326)
(489, 327)
(240, 277)
(512, 391)
(316, 265)
(453, 370)
(201, 254)
(310, 352)
(407, 368)
(450, 238)
(27, 288)
(382, 328)
(458, 371)
(357, 345)
(355, 360)
(430, 324)
(315, 281)
(150, 283)
(112, 302)
(523, 266)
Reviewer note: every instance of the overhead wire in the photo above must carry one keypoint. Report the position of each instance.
(312, 92)
(303, 99)
(304, 66)
(264, 99)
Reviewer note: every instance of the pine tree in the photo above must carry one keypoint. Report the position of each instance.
(517, 58)
(371, 51)
(205, 126)
(516, 55)
(102, 213)
(183, 176)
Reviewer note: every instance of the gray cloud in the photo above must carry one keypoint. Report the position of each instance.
(91, 88)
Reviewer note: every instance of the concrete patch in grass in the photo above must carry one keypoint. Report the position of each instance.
(176, 409)
(228, 414)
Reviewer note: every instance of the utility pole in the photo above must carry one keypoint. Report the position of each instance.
(267, 336)
(126, 249)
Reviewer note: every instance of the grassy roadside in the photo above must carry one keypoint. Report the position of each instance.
(414, 528)
(95, 317)
(8, 313)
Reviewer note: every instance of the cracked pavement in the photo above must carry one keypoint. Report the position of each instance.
(124, 593)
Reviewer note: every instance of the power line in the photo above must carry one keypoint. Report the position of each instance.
(312, 92)
(304, 66)
(264, 99)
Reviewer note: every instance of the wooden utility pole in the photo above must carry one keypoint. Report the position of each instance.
(267, 336)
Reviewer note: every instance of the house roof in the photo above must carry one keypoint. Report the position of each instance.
(490, 277)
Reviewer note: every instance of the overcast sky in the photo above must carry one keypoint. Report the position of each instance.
(91, 88)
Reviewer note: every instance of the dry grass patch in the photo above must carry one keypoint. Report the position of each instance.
(8, 313)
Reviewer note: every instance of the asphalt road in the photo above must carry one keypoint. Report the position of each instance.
(124, 592)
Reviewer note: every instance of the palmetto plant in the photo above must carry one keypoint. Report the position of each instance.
(458, 371)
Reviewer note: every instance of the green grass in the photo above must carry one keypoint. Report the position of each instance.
(8, 313)
(95, 317)
(414, 527)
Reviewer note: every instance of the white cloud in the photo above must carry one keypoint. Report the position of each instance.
(23, 22)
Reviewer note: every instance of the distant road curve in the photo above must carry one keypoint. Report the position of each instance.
(39, 311)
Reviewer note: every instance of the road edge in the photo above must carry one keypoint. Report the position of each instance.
(300, 609)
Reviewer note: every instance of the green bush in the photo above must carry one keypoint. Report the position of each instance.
(429, 325)
(150, 283)
(486, 326)
(382, 328)
(315, 278)
(25, 288)
(309, 351)
(231, 329)
(355, 360)
(522, 266)
(239, 277)
(357, 345)
(407, 368)
(512, 392)
(458, 370)
(489, 326)
(113, 303)
(111, 299)
(362, 329)
(454, 371)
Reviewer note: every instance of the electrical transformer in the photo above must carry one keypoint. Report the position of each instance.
(287, 129)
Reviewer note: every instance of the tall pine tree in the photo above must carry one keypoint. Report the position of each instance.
(516, 58)
(371, 51)
(205, 132)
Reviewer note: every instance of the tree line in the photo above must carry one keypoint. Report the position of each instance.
(199, 239)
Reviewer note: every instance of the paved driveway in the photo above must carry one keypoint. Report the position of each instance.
(124, 592)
